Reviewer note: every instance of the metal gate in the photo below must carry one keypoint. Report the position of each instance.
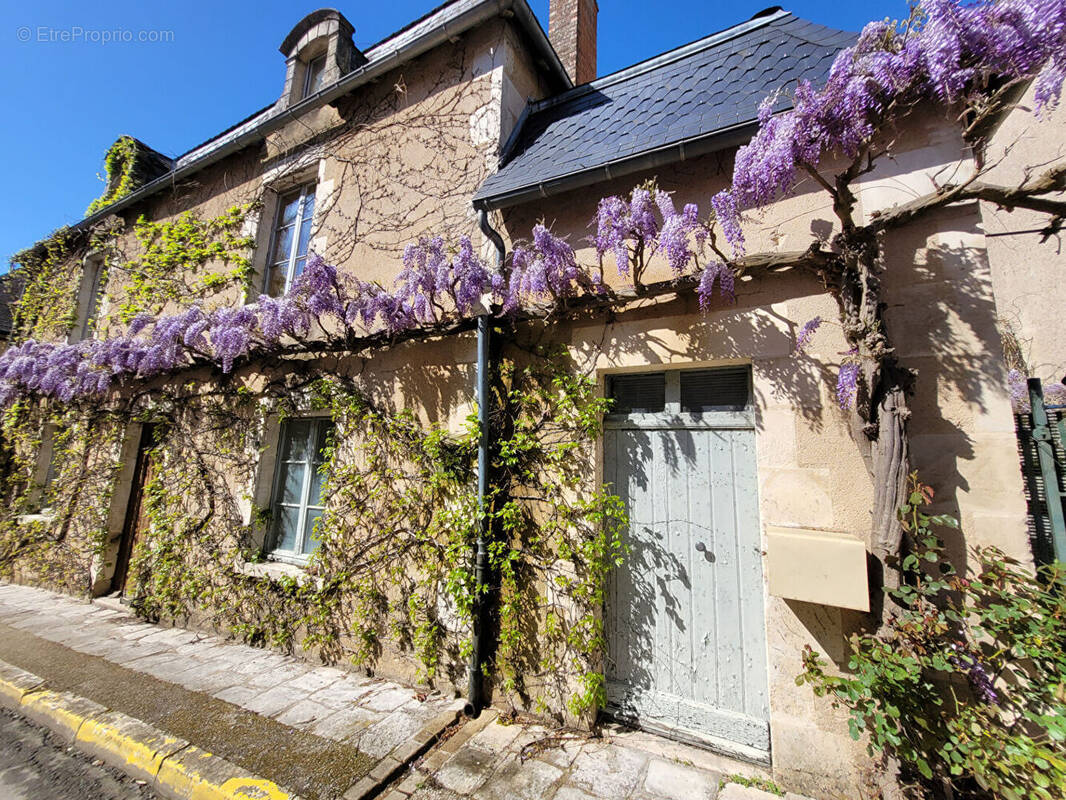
(684, 614)
(1041, 434)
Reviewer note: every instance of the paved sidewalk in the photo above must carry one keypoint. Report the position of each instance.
(315, 729)
(373, 714)
(491, 760)
(379, 727)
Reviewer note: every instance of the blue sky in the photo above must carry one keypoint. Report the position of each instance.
(67, 101)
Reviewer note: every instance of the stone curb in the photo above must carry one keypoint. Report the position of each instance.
(174, 768)
(438, 757)
(390, 767)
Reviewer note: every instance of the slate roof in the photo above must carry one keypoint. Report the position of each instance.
(709, 88)
(450, 19)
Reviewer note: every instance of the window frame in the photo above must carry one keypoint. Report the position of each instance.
(308, 76)
(304, 217)
(91, 298)
(303, 550)
(44, 473)
(673, 415)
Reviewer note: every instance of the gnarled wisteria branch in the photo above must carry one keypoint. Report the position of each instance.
(1028, 194)
(436, 295)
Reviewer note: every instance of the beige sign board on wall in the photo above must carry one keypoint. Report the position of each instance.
(817, 567)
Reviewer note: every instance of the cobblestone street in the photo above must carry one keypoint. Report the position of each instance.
(36, 765)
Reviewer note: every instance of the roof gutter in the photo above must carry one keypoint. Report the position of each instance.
(449, 29)
(669, 154)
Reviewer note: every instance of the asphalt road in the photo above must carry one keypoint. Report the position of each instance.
(36, 765)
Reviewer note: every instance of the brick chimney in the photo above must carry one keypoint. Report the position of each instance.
(572, 31)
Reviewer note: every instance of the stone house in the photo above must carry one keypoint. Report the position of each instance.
(469, 120)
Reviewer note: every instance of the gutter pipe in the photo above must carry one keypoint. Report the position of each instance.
(475, 701)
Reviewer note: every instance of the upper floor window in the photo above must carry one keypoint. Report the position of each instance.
(314, 75)
(290, 239)
(297, 496)
(318, 51)
(90, 298)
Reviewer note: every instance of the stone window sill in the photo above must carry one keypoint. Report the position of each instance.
(276, 570)
(42, 516)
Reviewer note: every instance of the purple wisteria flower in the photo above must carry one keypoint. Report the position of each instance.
(545, 269)
(951, 54)
(678, 232)
(803, 338)
(728, 216)
(848, 380)
(715, 272)
(976, 672)
(612, 229)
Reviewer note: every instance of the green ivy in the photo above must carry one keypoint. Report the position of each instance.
(173, 255)
(120, 165)
(48, 304)
(58, 552)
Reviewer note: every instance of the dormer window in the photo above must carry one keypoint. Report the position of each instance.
(318, 52)
(314, 77)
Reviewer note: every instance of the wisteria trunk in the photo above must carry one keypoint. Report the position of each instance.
(890, 465)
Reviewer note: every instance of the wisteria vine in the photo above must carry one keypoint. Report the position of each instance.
(947, 51)
(434, 287)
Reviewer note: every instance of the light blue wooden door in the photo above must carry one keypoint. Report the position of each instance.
(686, 633)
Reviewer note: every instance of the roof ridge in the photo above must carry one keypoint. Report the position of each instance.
(263, 111)
(410, 25)
(662, 59)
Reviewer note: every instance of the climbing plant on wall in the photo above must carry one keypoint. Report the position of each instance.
(48, 302)
(128, 165)
(552, 541)
(57, 532)
(184, 260)
(392, 567)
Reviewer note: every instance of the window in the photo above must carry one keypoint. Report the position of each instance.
(290, 239)
(314, 75)
(90, 297)
(45, 472)
(689, 391)
(297, 495)
(644, 393)
(722, 389)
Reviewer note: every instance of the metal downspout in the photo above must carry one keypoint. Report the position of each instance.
(481, 553)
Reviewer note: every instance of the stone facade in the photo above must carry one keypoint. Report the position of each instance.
(401, 157)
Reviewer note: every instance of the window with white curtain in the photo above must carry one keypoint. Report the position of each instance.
(297, 496)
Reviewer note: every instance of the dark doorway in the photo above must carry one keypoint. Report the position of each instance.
(136, 519)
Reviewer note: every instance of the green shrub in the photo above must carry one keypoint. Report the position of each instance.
(966, 683)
